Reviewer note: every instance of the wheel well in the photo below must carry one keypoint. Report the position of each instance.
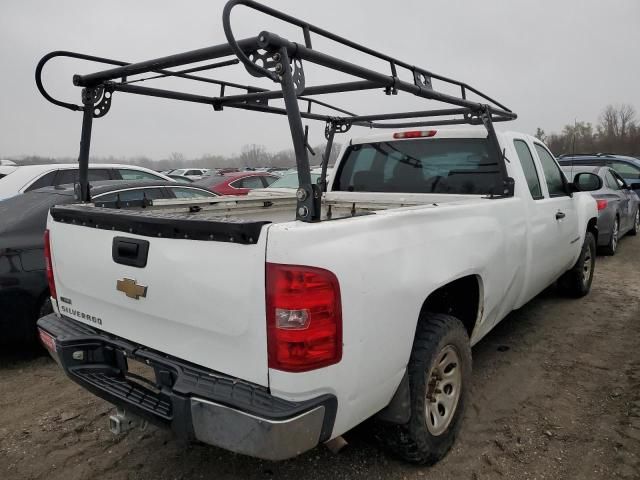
(592, 226)
(460, 298)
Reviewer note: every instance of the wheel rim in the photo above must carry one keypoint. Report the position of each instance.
(443, 390)
(587, 266)
(614, 236)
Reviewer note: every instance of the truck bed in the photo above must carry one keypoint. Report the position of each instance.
(240, 218)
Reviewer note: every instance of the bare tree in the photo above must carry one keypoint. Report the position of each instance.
(540, 135)
(626, 119)
(616, 121)
(609, 126)
(254, 156)
(176, 157)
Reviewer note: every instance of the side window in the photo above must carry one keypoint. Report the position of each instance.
(194, 172)
(182, 192)
(250, 182)
(67, 176)
(553, 175)
(529, 167)
(127, 174)
(619, 180)
(626, 170)
(268, 180)
(611, 181)
(96, 174)
(71, 175)
(44, 181)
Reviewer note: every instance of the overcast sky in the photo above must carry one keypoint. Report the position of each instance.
(550, 61)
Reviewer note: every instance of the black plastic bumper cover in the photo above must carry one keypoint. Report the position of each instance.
(99, 362)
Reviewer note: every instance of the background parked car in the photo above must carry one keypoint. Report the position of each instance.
(24, 294)
(286, 184)
(627, 167)
(7, 169)
(236, 183)
(179, 178)
(31, 177)
(617, 201)
(190, 173)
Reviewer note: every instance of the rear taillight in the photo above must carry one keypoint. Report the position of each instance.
(415, 134)
(47, 340)
(49, 264)
(602, 204)
(304, 317)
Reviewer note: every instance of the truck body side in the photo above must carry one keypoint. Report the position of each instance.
(389, 262)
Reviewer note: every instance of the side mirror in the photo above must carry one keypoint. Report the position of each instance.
(635, 186)
(587, 182)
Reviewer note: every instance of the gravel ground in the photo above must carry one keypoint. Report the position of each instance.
(556, 394)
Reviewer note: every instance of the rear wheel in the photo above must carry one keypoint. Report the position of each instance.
(439, 372)
(577, 281)
(636, 224)
(612, 246)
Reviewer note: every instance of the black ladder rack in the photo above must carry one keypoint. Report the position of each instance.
(281, 60)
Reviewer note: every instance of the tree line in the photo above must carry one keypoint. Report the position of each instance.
(617, 131)
(249, 156)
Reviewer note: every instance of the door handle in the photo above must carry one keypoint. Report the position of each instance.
(560, 215)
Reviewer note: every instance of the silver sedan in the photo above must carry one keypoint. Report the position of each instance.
(617, 206)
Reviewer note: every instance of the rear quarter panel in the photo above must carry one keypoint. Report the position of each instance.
(387, 265)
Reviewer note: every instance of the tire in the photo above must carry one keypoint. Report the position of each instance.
(611, 247)
(636, 224)
(577, 281)
(441, 349)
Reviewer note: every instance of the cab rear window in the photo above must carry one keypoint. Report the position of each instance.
(445, 165)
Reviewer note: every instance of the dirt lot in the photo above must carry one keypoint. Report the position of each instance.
(556, 394)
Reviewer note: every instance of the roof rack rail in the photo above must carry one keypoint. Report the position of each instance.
(268, 55)
(587, 155)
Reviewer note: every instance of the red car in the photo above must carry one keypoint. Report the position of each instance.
(236, 183)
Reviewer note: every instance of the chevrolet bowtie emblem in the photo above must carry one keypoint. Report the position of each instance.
(131, 288)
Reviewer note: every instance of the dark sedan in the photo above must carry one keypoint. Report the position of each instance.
(24, 294)
(617, 202)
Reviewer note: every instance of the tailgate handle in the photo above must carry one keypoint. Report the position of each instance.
(130, 251)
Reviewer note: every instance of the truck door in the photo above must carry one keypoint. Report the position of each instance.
(559, 209)
(543, 253)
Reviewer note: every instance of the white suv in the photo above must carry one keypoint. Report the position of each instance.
(16, 180)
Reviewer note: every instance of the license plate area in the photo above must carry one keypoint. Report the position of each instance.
(142, 373)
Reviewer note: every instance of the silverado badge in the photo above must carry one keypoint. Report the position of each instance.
(131, 288)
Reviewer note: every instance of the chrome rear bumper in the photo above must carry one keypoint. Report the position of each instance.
(241, 432)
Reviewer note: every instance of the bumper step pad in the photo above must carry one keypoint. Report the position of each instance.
(128, 391)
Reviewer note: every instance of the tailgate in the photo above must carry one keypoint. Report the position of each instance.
(199, 296)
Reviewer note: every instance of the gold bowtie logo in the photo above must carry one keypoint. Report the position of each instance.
(131, 288)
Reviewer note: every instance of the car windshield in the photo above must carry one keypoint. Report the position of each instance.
(290, 180)
(446, 165)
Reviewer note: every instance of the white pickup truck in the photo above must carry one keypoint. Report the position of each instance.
(267, 325)
(271, 343)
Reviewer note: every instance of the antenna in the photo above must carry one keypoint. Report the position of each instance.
(573, 143)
